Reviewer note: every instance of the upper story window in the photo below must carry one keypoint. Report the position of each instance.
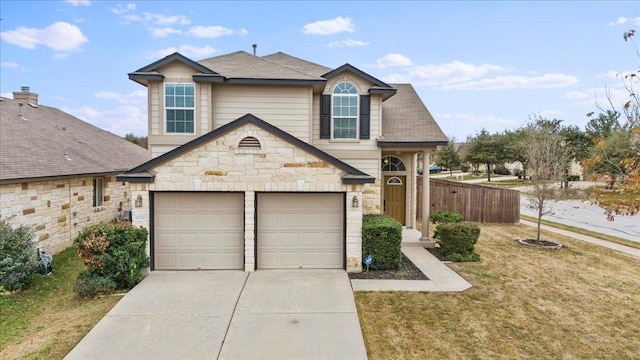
(179, 101)
(345, 111)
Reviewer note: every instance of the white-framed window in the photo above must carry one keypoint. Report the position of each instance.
(392, 163)
(344, 122)
(394, 180)
(98, 191)
(179, 102)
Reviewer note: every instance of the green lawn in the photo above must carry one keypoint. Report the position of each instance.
(47, 320)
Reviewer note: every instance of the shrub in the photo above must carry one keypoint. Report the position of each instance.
(464, 167)
(441, 216)
(18, 266)
(382, 238)
(89, 284)
(457, 241)
(518, 173)
(501, 170)
(113, 251)
(573, 178)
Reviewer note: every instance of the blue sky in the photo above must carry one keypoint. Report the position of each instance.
(475, 64)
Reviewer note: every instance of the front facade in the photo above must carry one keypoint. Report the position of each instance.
(58, 173)
(270, 162)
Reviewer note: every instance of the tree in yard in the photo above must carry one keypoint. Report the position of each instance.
(547, 156)
(138, 140)
(486, 149)
(447, 156)
(602, 126)
(617, 152)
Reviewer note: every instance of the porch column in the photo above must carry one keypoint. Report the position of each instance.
(426, 201)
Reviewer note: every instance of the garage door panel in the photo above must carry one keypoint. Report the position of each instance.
(198, 231)
(298, 230)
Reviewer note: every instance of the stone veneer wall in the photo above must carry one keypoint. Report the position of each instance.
(58, 210)
(276, 167)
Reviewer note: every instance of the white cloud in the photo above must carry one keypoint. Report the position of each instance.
(10, 65)
(164, 32)
(197, 52)
(136, 97)
(128, 15)
(119, 120)
(545, 81)
(78, 2)
(623, 20)
(209, 31)
(393, 60)
(348, 43)
(60, 36)
(329, 27)
(577, 95)
(599, 97)
(458, 75)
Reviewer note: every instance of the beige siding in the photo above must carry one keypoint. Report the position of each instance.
(154, 109)
(369, 166)
(376, 115)
(286, 107)
(58, 210)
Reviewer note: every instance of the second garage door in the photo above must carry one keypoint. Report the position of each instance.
(198, 231)
(298, 230)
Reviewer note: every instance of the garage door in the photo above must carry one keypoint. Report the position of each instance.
(198, 231)
(300, 231)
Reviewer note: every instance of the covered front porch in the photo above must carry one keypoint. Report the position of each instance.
(398, 192)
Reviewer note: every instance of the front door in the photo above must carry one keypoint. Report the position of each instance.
(395, 197)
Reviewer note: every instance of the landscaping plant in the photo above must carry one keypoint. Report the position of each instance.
(114, 254)
(457, 241)
(382, 238)
(18, 266)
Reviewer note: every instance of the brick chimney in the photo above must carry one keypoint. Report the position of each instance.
(26, 96)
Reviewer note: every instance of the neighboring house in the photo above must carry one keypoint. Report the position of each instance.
(57, 172)
(270, 162)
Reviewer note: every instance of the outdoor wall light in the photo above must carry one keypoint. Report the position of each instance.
(139, 201)
(354, 202)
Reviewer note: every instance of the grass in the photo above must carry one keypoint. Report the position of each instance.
(623, 197)
(507, 184)
(578, 230)
(579, 302)
(47, 320)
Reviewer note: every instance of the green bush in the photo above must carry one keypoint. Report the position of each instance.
(457, 241)
(382, 238)
(573, 178)
(18, 265)
(113, 251)
(501, 170)
(90, 284)
(441, 216)
(518, 173)
(465, 167)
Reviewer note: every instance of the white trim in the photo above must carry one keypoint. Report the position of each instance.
(356, 117)
(394, 183)
(195, 116)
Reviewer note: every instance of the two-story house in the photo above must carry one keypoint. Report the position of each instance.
(270, 162)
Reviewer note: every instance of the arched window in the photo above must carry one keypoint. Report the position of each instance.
(392, 163)
(249, 143)
(394, 181)
(345, 111)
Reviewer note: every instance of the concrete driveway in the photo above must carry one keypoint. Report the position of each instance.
(301, 314)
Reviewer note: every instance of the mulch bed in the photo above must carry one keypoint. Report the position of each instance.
(544, 244)
(407, 271)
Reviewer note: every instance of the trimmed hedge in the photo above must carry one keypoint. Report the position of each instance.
(114, 254)
(382, 238)
(441, 216)
(457, 241)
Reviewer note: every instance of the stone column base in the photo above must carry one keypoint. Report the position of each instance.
(427, 243)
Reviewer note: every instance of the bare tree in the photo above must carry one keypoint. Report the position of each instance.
(547, 156)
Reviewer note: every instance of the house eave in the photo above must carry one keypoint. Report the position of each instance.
(382, 143)
(274, 81)
(357, 179)
(208, 78)
(137, 178)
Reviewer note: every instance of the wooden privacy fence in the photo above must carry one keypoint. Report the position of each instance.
(476, 203)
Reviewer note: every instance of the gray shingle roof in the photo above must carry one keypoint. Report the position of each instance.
(406, 119)
(295, 63)
(242, 65)
(38, 144)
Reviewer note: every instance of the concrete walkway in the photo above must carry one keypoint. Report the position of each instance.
(590, 239)
(441, 277)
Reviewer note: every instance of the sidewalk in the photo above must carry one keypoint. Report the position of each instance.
(590, 239)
